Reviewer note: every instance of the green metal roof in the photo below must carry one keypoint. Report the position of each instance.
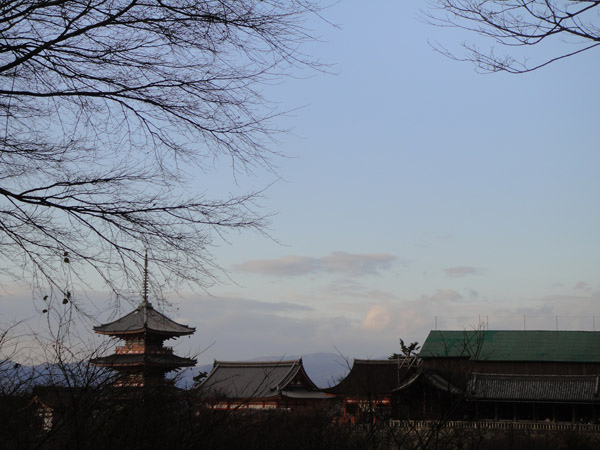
(502, 345)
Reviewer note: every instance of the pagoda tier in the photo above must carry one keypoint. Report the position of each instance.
(143, 360)
(168, 361)
(144, 320)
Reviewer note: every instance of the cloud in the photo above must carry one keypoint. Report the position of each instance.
(345, 287)
(248, 305)
(337, 262)
(235, 329)
(583, 286)
(199, 308)
(377, 318)
(290, 265)
(445, 295)
(462, 271)
(357, 264)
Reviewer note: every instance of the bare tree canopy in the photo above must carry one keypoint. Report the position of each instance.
(520, 23)
(108, 107)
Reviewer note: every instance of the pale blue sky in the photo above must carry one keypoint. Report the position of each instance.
(413, 187)
(406, 153)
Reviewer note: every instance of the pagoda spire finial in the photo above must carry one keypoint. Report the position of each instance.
(145, 293)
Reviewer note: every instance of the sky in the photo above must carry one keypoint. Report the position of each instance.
(414, 193)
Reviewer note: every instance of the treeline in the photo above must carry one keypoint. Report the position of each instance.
(91, 418)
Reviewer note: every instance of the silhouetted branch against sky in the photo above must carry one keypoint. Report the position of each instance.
(108, 111)
(519, 23)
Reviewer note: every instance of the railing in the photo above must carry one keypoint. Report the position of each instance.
(493, 425)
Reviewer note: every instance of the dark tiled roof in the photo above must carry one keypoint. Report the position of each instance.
(370, 377)
(144, 318)
(561, 388)
(245, 380)
(137, 359)
(497, 345)
(430, 377)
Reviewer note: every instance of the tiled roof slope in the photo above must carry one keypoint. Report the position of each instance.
(370, 377)
(501, 345)
(568, 388)
(432, 378)
(144, 318)
(248, 380)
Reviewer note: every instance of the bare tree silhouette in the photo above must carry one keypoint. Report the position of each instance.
(109, 109)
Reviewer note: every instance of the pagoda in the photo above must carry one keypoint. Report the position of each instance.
(143, 360)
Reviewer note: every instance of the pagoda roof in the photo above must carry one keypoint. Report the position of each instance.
(247, 380)
(167, 360)
(144, 319)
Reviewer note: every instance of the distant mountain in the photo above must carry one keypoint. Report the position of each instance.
(15, 377)
(324, 369)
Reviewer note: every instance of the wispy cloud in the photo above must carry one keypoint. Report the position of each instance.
(462, 271)
(444, 295)
(245, 328)
(583, 286)
(258, 306)
(337, 262)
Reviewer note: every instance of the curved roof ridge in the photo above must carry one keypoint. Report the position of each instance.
(292, 374)
(370, 376)
(280, 363)
(376, 361)
(410, 380)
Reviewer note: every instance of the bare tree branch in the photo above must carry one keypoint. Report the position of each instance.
(101, 105)
(574, 24)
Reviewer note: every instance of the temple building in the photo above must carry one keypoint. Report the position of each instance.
(367, 389)
(260, 385)
(505, 375)
(143, 360)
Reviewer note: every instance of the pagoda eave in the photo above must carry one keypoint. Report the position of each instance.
(142, 364)
(144, 330)
(143, 361)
